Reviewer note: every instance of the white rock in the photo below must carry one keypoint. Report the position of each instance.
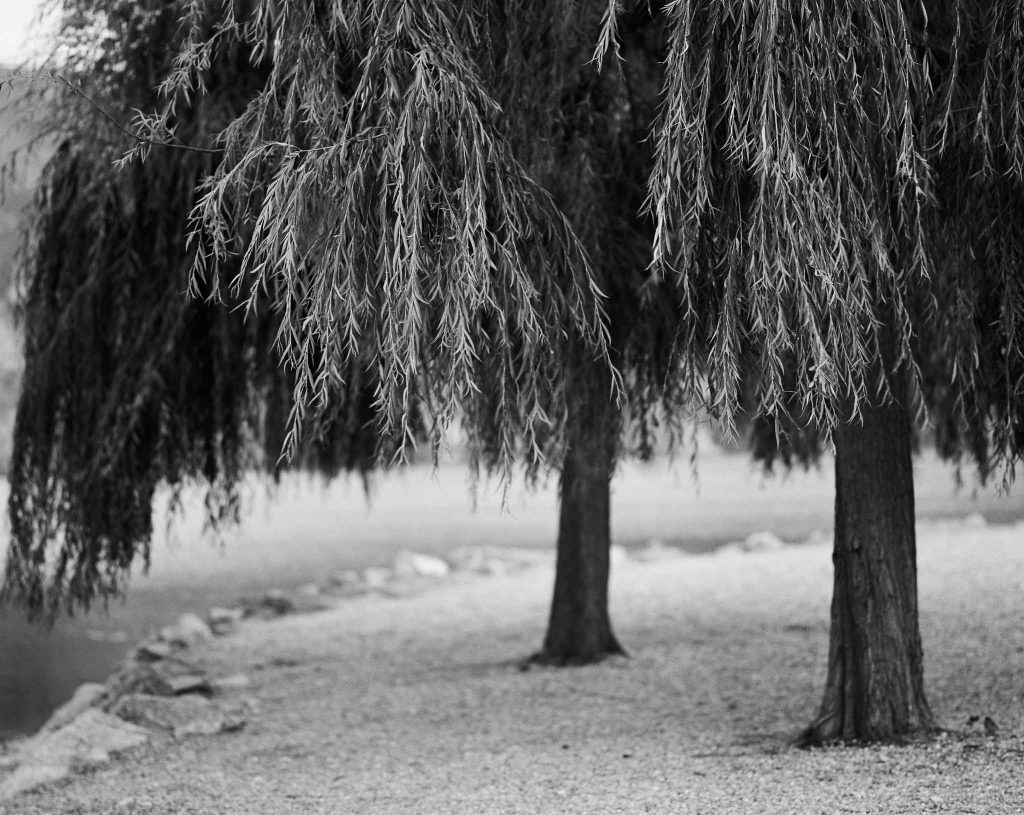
(762, 542)
(193, 628)
(84, 697)
(309, 590)
(87, 740)
(413, 564)
(224, 620)
(190, 629)
(618, 555)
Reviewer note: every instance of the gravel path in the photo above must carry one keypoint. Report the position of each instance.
(415, 704)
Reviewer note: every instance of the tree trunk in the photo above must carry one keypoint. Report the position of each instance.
(579, 629)
(875, 685)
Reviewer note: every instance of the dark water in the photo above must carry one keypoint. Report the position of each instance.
(309, 532)
(39, 672)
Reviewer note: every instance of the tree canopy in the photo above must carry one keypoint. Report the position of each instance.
(832, 178)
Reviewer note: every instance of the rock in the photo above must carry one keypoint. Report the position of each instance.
(377, 577)
(223, 629)
(496, 560)
(224, 620)
(84, 697)
(477, 560)
(224, 615)
(192, 629)
(88, 740)
(272, 604)
(276, 603)
(221, 684)
(762, 542)
(168, 677)
(309, 590)
(139, 677)
(189, 715)
(153, 651)
(413, 564)
(347, 583)
(189, 683)
(346, 577)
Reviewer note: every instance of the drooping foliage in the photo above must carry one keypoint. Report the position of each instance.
(478, 139)
(376, 177)
(971, 334)
(788, 196)
(836, 177)
(128, 383)
(399, 198)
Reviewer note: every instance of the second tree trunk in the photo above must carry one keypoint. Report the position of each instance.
(579, 628)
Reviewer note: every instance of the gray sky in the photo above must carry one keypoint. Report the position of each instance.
(15, 18)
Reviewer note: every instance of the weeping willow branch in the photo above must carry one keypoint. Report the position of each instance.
(63, 82)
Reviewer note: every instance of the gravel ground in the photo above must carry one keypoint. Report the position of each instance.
(415, 704)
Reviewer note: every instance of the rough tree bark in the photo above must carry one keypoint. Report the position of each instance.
(579, 628)
(875, 686)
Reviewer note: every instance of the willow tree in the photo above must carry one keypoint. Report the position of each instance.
(788, 195)
(455, 190)
(836, 193)
(415, 194)
(357, 205)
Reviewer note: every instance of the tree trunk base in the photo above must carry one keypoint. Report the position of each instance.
(823, 732)
(573, 659)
